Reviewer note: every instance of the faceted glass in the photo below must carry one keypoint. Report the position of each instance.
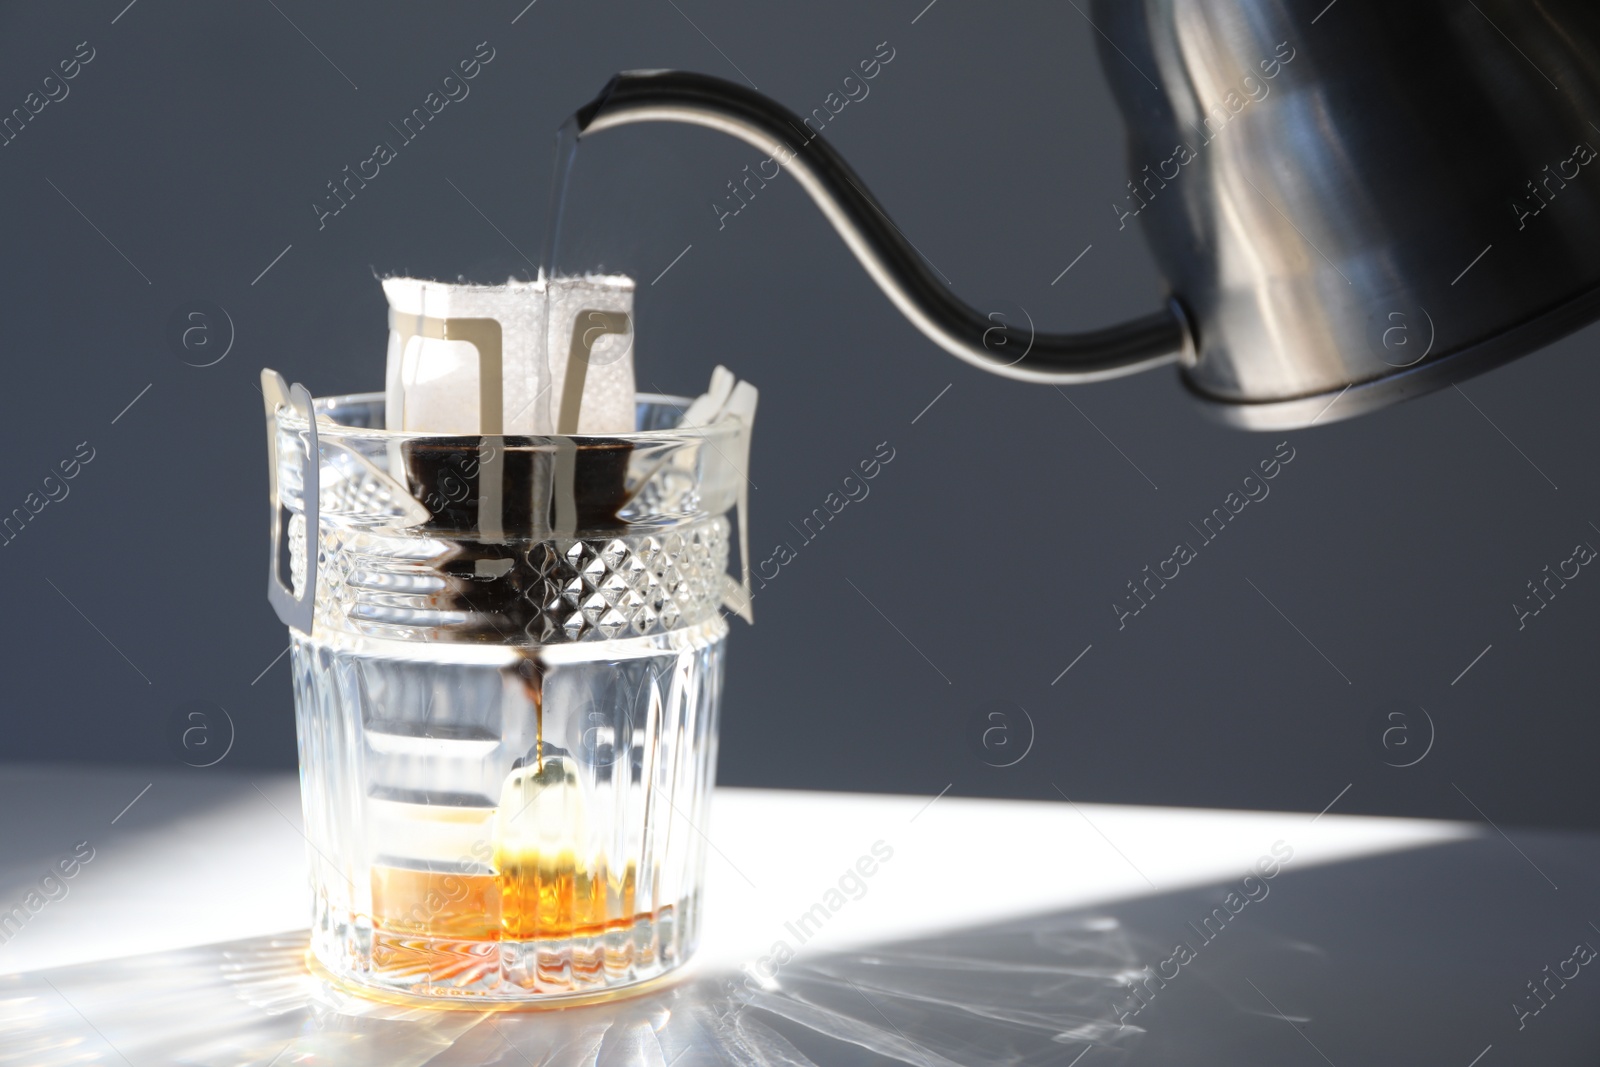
(507, 704)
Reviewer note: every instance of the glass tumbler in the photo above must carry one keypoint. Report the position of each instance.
(507, 658)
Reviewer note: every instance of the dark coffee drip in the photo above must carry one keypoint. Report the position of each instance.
(530, 671)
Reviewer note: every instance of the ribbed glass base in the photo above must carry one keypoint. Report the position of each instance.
(502, 970)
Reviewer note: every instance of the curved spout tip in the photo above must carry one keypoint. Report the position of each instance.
(614, 94)
(585, 115)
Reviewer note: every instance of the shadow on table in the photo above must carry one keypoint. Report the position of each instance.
(1403, 958)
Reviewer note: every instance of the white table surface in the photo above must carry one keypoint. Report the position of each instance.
(208, 856)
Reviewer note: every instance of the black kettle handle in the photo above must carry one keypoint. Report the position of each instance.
(1008, 349)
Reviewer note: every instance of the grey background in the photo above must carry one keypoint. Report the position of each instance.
(990, 550)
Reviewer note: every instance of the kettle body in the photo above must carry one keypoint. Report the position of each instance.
(1373, 201)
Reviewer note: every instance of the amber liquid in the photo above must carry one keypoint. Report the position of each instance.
(543, 892)
(533, 897)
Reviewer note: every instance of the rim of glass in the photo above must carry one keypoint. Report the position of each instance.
(726, 426)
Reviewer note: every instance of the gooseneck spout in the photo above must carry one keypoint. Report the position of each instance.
(1009, 349)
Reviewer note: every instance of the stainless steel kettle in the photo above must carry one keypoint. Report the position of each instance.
(1350, 207)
